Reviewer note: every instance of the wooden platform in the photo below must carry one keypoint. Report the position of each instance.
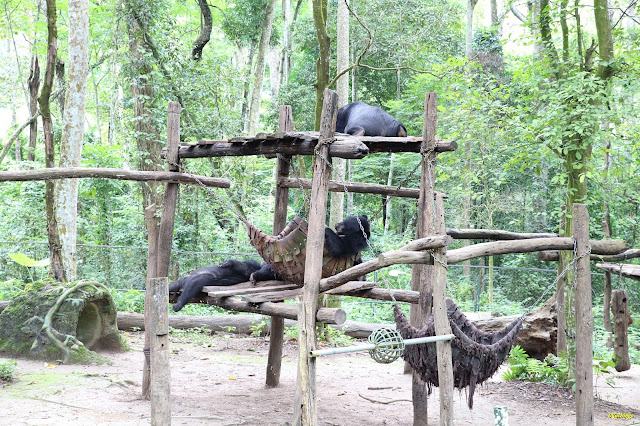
(304, 143)
(624, 269)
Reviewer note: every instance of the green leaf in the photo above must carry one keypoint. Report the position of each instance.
(25, 260)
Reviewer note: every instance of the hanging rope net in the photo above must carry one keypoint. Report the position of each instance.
(286, 252)
(476, 354)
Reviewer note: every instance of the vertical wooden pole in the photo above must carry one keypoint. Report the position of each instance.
(276, 335)
(584, 319)
(621, 321)
(561, 339)
(160, 372)
(152, 264)
(607, 293)
(305, 410)
(422, 275)
(165, 238)
(441, 321)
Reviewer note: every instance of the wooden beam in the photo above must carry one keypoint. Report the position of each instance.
(626, 270)
(553, 256)
(362, 188)
(535, 244)
(583, 318)
(111, 173)
(252, 290)
(494, 234)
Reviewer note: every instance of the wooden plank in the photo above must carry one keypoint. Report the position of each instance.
(362, 188)
(254, 290)
(494, 234)
(584, 319)
(553, 256)
(274, 296)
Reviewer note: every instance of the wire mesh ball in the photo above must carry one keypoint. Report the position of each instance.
(393, 345)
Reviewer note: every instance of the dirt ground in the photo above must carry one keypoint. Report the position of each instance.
(219, 380)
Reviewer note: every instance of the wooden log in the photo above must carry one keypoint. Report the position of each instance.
(583, 318)
(494, 234)
(364, 268)
(527, 246)
(160, 371)
(361, 188)
(621, 321)
(354, 286)
(305, 409)
(283, 165)
(284, 310)
(553, 256)
(441, 322)
(279, 296)
(112, 173)
(397, 145)
(626, 270)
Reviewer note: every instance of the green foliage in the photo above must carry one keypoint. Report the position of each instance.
(7, 370)
(553, 370)
(129, 301)
(196, 335)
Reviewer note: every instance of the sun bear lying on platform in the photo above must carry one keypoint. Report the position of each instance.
(360, 119)
(228, 273)
(348, 239)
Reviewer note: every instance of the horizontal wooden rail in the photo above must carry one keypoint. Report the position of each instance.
(361, 188)
(111, 173)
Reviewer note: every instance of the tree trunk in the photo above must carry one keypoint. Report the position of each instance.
(73, 132)
(324, 55)
(57, 271)
(33, 84)
(387, 215)
(146, 131)
(256, 97)
(205, 30)
(471, 4)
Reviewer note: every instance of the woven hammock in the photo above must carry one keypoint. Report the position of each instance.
(286, 252)
(476, 354)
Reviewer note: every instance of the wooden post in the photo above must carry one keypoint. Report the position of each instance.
(276, 335)
(422, 275)
(305, 410)
(607, 308)
(621, 321)
(152, 263)
(441, 322)
(165, 238)
(160, 372)
(584, 319)
(561, 339)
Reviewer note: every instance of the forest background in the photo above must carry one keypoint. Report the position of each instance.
(542, 103)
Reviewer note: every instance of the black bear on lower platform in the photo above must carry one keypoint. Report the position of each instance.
(228, 273)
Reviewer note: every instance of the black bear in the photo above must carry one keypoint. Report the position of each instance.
(228, 273)
(347, 240)
(360, 119)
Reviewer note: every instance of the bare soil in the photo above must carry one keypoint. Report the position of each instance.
(219, 380)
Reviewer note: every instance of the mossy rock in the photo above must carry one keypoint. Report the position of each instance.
(61, 321)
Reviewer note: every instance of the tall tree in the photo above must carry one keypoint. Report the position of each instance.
(73, 132)
(256, 97)
(57, 271)
(324, 55)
